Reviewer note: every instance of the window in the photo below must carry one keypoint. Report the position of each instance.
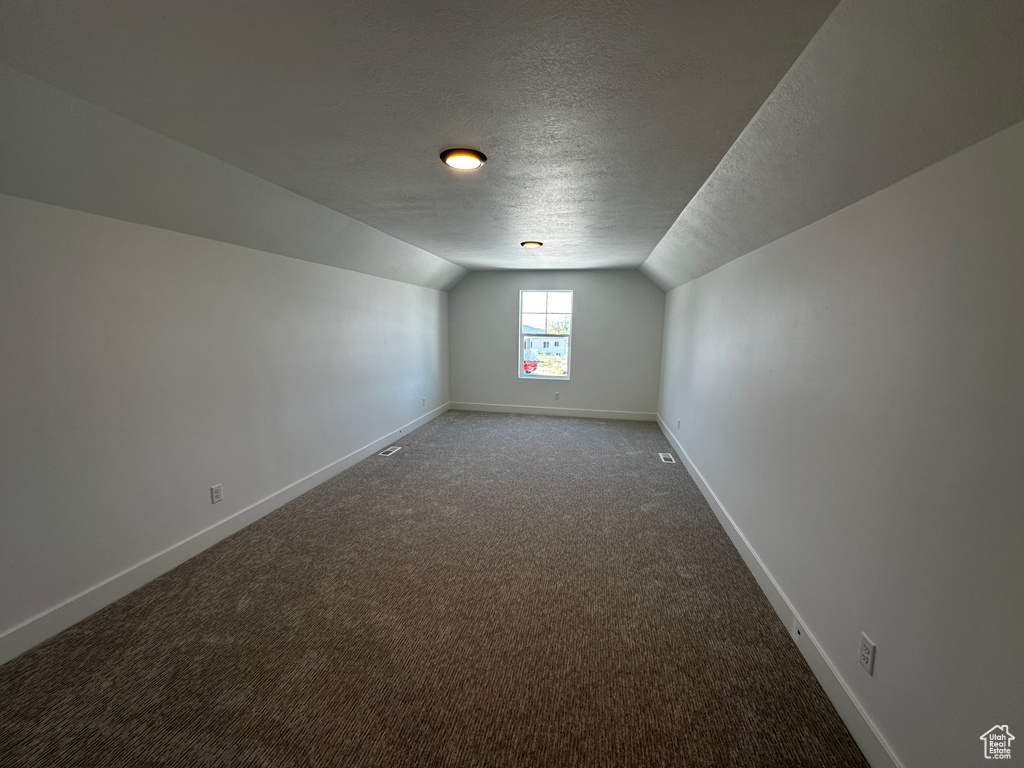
(545, 324)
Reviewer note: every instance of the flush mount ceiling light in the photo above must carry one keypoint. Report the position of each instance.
(463, 159)
(531, 244)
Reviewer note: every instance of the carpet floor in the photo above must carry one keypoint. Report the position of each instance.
(503, 591)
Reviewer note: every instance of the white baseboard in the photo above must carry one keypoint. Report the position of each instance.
(536, 410)
(872, 743)
(48, 623)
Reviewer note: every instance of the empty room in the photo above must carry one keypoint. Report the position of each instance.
(511, 383)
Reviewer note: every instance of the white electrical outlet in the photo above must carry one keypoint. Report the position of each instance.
(679, 423)
(558, 395)
(424, 401)
(216, 493)
(867, 654)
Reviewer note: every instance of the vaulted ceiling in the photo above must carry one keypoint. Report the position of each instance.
(669, 135)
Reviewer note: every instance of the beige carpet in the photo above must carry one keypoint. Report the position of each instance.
(503, 591)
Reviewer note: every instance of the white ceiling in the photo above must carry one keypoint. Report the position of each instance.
(600, 119)
(604, 122)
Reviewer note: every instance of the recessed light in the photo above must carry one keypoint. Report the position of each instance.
(531, 244)
(463, 159)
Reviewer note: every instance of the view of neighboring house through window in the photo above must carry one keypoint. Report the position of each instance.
(545, 324)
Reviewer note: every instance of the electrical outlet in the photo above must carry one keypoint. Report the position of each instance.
(796, 629)
(558, 395)
(216, 493)
(867, 654)
(679, 423)
(424, 402)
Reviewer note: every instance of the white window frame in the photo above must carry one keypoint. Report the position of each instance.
(566, 337)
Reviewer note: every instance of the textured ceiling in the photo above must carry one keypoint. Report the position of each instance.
(884, 89)
(601, 119)
(670, 135)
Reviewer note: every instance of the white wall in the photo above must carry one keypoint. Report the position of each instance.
(853, 394)
(140, 366)
(618, 318)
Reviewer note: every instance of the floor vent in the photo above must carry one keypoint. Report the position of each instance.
(667, 458)
(389, 450)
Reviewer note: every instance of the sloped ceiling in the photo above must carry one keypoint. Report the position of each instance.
(668, 135)
(58, 149)
(885, 89)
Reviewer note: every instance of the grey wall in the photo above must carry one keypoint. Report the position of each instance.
(852, 394)
(140, 366)
(616, 344)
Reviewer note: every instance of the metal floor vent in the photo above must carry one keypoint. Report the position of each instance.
(668, 458)
(389, 450)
